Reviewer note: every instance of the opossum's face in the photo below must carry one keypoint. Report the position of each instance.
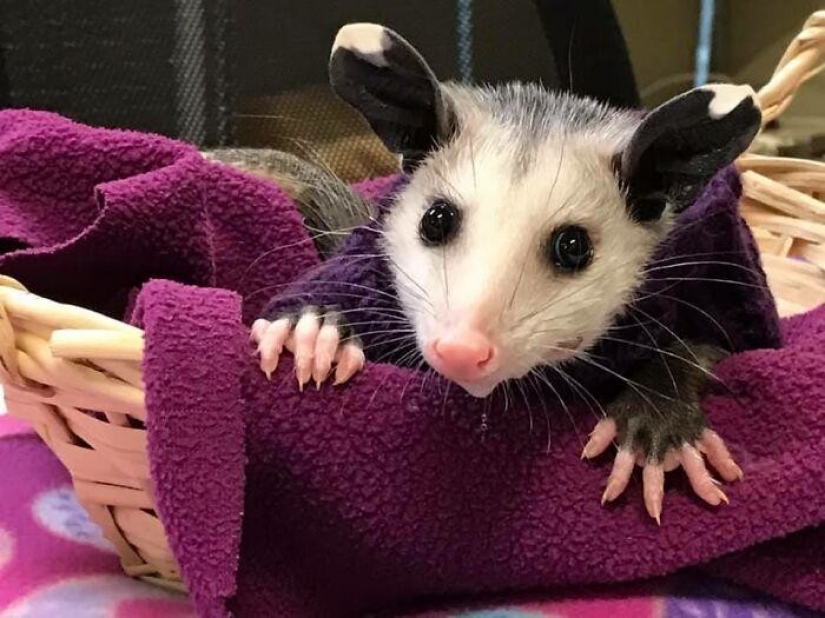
(529, 217)
(503, 262)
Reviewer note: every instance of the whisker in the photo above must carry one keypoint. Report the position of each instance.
(549, 383)
(426, 295)
(632, 384)
(387, 313)
(429, 373)
(670, 354)
(699, 254)
(377, 389)
(456, 194)
(385, 342)
(253, 263)
(353, 258)
(537, 230)
(407, 359)
(711, 280)
(444, 270)
(536, 385)
(703, 312)
(521, 384)
(669, 330)
(413, 376)
(444, 399)
(658, 268)
(358, 286)
(556, 299)
(661, 355)
(580, 390)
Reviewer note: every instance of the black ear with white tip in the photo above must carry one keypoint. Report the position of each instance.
(383, 77)
(683, 143)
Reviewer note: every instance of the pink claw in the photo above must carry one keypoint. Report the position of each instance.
(699, 476)
(712, 445)
(653, 480)
(619, 476)
(272, 338)
(350, 360)
(257, 330)
(603, 434)
(325, 348)
(305, 336)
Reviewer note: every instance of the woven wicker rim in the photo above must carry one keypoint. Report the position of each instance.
(61, 366)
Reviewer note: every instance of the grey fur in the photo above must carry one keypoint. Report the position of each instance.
(534, 113)
(664, 410)
(329, 206)
(532, 116)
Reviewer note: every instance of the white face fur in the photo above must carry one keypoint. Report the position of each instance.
(522, 172)
(515, 183)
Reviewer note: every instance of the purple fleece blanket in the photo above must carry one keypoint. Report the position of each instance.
(384, 493)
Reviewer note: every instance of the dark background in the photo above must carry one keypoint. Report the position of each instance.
(286, 43)
(191, 68)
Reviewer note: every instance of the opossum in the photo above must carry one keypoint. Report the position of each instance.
(522, 233)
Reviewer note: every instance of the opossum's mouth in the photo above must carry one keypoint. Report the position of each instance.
(480, 389)
(484, 386)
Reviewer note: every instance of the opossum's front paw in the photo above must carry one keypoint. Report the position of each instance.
(657, 450)
(659, 425)
(317, 337)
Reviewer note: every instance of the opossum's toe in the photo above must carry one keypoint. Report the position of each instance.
(304, 338)
(712, 445)
(350, 360)
(318, 337)
(600, 438)
(271, 338)
(699, 477)
(653, 480)
(326, 347)
(257, 330)
(619, 476)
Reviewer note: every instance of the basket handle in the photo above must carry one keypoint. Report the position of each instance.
(803, 59)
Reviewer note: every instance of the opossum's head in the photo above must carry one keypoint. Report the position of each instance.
(529, 216)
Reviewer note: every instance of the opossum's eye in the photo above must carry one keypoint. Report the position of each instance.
(570, 248)
(440, 223)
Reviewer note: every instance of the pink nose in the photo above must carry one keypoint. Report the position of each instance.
(464, 355)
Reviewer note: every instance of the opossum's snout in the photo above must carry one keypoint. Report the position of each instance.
(464, 355)
(464, 352)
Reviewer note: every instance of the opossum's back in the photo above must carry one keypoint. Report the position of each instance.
(329, 206)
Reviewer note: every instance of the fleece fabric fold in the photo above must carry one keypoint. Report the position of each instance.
(387, 492)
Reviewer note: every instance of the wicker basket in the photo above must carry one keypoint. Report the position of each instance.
(76, 375)
(61, 366)
(782, 197)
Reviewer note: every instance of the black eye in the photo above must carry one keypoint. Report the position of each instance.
(570, 248)
(439, 224)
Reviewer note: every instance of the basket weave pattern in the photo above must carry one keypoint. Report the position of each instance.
(76, 375)
(782, 197)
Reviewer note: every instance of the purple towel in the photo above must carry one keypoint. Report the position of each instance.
(384, 493)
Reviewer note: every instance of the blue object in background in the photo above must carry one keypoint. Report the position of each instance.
(464, 39)
(704, 43)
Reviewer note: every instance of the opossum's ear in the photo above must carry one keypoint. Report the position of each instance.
(383, 77)
(683, 143)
